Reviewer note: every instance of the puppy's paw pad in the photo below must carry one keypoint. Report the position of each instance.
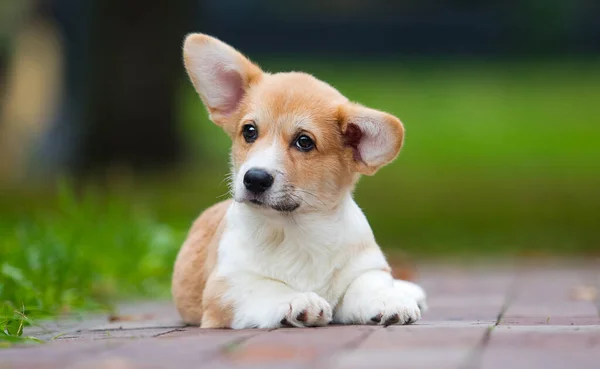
(302, 317)
(395, 318)
(377, 318)
(308, 310)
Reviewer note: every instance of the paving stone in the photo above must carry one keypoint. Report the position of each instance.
(53, 355)
(197, 331)
(112, 363)
(537, 301)
(577, 309)
(548, 347)
(550, 336)
(297, 348)
(464, 300)
(542, 329)
(454, 323)
(532, 358)
(407, 337)
(154, 353)
(462, 314)
(179, 352)
(150, 323)
(555, 285)
(421, 357)
(463, 306)
(118, 333)
(471, 285)
(467, 279)
(414, 347)
(135, 315)
(561, 320)
(544, 293)
(48, 329)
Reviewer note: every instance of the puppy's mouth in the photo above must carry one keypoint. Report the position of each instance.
(283, 207)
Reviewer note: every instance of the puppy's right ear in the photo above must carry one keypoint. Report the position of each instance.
(220, 74)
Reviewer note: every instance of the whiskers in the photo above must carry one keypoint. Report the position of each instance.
(285, 197)
(291, 192)
(230, 186)
(313, 196)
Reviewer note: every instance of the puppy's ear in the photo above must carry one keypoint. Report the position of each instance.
(220, 74)
(375, 137)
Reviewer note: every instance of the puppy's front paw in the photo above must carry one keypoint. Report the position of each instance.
(389, 307)
(414, 291)
(308, 310)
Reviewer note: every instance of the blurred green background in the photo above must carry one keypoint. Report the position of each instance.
(107, 160)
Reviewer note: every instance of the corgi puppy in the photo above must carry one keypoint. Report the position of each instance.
(291, 248)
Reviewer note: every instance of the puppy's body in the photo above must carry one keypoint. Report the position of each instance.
(293, 248)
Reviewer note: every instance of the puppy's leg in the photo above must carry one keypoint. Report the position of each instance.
(375, 298)
(267, 303)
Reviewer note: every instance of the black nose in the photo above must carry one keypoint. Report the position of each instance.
(257, 180)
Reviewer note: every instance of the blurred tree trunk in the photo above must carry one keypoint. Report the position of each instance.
(134, 56)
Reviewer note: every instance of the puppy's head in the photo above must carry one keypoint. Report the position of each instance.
(298, 144)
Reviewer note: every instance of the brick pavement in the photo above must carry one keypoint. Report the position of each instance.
(513, 317)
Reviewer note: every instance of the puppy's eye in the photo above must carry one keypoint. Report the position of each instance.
(304, 143)
(250, 133)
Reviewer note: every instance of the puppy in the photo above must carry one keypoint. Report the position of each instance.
(292, 248)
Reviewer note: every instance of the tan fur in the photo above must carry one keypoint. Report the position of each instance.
(217, 312)
(193, 267)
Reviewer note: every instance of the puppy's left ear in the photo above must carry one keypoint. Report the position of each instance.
(375, 137)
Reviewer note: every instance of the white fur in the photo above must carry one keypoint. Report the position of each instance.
(268, 159)
(374, 294)
(278, 266)
(414, 291)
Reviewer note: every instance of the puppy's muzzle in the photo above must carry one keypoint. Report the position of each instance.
(258, 180)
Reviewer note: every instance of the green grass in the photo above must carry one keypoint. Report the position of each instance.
(500, 159)
(81, 255)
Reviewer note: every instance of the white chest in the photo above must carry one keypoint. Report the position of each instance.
(307, 253)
